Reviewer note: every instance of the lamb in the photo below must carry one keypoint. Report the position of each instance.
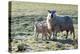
(41, 27)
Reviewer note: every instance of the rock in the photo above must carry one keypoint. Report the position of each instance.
(23, 48)
(68, 47)
(59, 45)
(20, 37)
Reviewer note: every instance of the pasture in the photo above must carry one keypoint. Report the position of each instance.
(23, 16)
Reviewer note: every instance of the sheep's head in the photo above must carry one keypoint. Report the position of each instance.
(51, 13)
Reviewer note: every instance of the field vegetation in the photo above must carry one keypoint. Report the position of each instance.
(23, 16)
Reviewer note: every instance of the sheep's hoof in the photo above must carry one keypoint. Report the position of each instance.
(47, 42)
(54, 39)
(44, 39)
(36, 39)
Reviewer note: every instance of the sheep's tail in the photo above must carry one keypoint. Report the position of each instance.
(73, 32)
(34, 29)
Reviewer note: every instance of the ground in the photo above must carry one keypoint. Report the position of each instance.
(23, 16)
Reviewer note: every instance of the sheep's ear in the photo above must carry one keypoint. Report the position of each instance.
(54, 11)
(49, 11)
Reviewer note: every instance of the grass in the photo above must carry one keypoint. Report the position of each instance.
(41, 8)
(24, 14)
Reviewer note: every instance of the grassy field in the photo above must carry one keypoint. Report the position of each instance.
(23, 16)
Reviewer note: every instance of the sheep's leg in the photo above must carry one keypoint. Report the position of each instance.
(42, 37)
(37, 36)
(35, 33)
(56, 35)
(46, 36)
(53, 35)
(49, 36)
(66, 34)
(73, 34)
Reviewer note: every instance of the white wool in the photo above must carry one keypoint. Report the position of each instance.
(48, 16)
(48, 19)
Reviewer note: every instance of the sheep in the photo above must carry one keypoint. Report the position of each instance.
(59, 23)
(41, 27)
